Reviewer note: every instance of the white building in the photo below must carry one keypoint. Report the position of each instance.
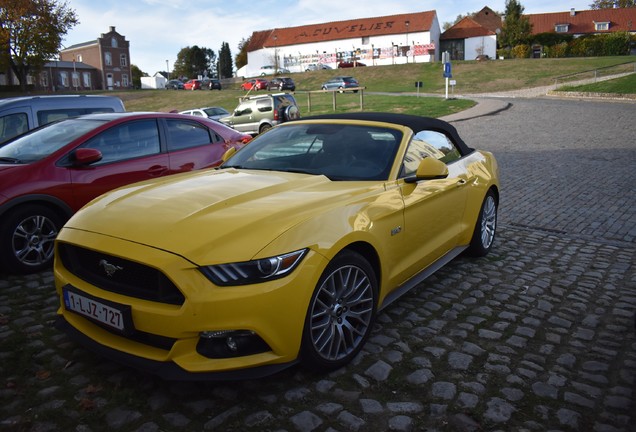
(394, 39)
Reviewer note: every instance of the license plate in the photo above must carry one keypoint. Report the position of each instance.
(107, 313)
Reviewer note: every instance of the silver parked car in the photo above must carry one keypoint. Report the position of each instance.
(341, 83)
(214, 113)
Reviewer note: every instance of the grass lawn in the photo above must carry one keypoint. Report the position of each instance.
(624, 85)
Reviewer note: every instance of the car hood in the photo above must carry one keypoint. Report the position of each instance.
(214, 216)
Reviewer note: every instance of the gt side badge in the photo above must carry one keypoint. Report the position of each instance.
(396, 230)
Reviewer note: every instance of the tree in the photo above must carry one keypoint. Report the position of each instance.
(194, 61)
(516, 29)
(609, 4)
(31, 33)
(225, 61)
(136, 75)
(241, 58)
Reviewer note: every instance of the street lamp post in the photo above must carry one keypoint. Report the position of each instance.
(168, 70)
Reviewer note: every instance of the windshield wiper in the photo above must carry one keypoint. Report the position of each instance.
(10, 160)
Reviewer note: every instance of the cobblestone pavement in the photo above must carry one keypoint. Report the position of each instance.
(539, 335)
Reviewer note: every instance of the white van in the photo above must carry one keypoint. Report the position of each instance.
(20, 114)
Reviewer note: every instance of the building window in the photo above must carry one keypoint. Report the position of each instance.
(76, 80)
(123, 61)
(108, 59)
(79, 57)
(44, 79)
(113, 42)
(561, 28)
(64, 79)
(124, 80)
(601, 26)
(87, 79)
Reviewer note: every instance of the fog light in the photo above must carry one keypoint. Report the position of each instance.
(230, 343)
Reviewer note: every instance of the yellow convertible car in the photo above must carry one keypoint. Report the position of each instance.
(283, 254)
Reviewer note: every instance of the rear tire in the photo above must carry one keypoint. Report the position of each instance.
(27, 238)
(264, 128)
(485, 227)
(341, 313)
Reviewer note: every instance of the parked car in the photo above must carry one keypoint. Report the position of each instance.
(256, 114)
(285, 254)
(341, 83)
(193, 84)
(350, 64)
(281, 83)
(174, 85)
(214, 84)
(266, 70)
(21, 114)
(49, 173)
(213, 113)
(255, 84)
(316, 66)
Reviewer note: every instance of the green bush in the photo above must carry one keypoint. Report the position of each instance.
(521, 51)
(612, 44)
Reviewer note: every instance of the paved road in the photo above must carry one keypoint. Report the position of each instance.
(537, 336)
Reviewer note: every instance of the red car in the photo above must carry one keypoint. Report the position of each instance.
(49, 173)
(255, 84)
(193, 84)
(350, 64)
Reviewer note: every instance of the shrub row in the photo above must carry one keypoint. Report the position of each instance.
(558, 46)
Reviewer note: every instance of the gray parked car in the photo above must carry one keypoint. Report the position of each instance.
(341, 83)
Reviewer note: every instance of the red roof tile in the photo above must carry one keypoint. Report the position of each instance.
(466, 28)
(582, 22)
(336, 30)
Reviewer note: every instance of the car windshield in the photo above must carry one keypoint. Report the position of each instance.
(44, 141)
(336, 150)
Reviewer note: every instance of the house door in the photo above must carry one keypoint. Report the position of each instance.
(109, 81)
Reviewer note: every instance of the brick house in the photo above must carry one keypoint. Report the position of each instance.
(109, 54)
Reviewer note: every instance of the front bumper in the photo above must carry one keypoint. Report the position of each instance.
(275, 311)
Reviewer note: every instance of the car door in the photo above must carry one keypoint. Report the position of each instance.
(191, 145)
(243, 119)
(131, 152)
(433, 209)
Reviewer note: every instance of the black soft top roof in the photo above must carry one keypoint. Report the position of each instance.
(413, 122)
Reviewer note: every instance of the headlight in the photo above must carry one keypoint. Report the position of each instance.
(256, 271)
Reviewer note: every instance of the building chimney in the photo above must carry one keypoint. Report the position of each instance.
(572, 12)
(112, 28)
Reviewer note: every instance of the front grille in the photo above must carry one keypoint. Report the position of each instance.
(126, 277)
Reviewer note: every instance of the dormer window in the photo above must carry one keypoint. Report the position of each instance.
(601, 26)
(561, 28)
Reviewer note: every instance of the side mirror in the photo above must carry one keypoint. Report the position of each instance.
(429, 169)
(228, 154)
(85, 156)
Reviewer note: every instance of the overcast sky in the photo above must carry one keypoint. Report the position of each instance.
(158, 29)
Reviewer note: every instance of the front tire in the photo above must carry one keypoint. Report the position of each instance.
(341, 313)
(27, 239)
(485, 228)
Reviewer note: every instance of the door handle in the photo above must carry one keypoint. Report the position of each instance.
(157, 170)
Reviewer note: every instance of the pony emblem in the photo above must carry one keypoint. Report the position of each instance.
(109, 268)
